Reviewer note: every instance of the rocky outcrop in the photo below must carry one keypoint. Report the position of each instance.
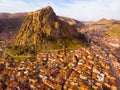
(43, 30)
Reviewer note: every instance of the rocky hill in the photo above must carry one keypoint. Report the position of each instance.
(43, 30)
(113, 26)
(108, 22)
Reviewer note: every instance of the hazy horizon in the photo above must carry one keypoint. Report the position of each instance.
(83, 10)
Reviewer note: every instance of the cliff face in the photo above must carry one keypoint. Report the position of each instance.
(43, 30)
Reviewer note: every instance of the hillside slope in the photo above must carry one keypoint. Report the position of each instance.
(11, 22)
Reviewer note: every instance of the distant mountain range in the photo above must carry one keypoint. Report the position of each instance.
(11, 22)
(105, 21)
(14, 15)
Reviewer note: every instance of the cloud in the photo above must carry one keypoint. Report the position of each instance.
(78, 9)
(91, 9)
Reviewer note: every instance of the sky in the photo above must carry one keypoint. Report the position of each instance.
(83, 10)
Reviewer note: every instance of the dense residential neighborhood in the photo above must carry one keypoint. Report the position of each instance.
(51, 52)
(71, 69)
